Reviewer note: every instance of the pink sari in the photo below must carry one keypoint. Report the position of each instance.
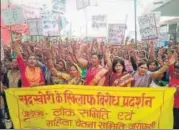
(94, 76)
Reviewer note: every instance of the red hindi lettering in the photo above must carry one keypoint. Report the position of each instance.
(137, 101)
(33, 114)
(85, 124)
(91, 99)
(148, 101)
(78, 98)
(69, 97)
(58, 122)
(59, 97)
(142, 126)
(44, 98)
(107, 99)
(107, 125)
(27, 99)
(63, 112)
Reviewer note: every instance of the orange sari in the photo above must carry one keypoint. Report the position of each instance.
(125, 80)
(34, 77)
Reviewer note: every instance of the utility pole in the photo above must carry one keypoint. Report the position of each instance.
(135, 20)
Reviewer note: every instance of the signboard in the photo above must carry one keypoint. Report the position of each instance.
(18, 28)
(35, 26)
(58, 6)
(148, 28)
(99, 21)
(81, 107)
(97, 25)
(13, 16)
(81, 4)
(50, 24)
(116, 33)
(31, 13)
(163, 33)
(164, 36)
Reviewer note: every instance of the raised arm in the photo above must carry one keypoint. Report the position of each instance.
(164, 68)
(81, 61)
(52, 67)
(108, 59)
(20, 61)
(16, 46)
(152, 51)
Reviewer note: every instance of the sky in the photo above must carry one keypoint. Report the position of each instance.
(117, 11)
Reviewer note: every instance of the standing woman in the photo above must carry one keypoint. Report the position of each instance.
(74, 75)
(174, 82)
(163, 80)
(11, 80)
(30, 74)
(60, 66)
(119, 77)
(95, 72)
(143, 77)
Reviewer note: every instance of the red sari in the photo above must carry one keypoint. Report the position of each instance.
(125, 80)
(95, 76)
(173, 82)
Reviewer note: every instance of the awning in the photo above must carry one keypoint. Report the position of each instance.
(169, 9)
(171, 21)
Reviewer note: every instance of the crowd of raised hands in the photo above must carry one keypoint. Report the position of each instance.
(80, 62)
(60, 57)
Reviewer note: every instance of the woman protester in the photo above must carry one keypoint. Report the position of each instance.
(143, 77)
(74, 75)
(12, 77)
(119, 77)
(174, 83)
(162, 80)
(31, 75)
(95, 74)
(62, 67)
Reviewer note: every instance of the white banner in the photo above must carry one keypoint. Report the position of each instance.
(116, 33)
(81, 4)
(31, 13)
(12, 16)
(99, 21)
(148, 27)
(163, 33)
(35, 26)
(58, 6)
(97, 25)
(49, 23)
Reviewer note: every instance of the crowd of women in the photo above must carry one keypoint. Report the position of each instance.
(31, 64)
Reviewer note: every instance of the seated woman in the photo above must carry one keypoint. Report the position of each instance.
(30, 74)
(119, 77)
